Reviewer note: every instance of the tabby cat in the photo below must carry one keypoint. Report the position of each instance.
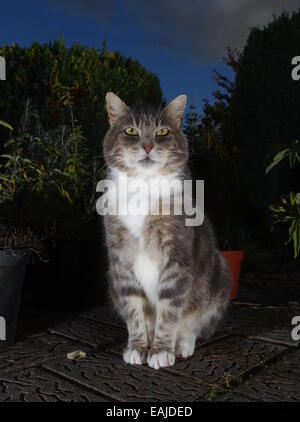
(168, 281)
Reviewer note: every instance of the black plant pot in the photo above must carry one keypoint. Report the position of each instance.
(12, 272)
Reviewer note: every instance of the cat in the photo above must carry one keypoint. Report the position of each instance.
(167, 280)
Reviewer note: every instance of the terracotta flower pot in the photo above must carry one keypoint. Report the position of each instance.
(234, 260)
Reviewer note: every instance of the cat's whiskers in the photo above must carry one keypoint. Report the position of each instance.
(111, 164)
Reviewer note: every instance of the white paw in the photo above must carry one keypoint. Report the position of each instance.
(186, 348)
(161, 360)
(132, 356)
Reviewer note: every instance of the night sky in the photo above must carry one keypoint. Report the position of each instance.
(181, 41)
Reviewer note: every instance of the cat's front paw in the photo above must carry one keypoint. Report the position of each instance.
(160, 359)
(135, 356)
(185, 347)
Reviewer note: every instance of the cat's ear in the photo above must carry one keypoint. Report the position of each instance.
(176, 109)
(115, 107)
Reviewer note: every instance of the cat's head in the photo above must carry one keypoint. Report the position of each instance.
(144, 141)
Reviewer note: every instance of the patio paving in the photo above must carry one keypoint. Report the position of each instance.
(252, 358)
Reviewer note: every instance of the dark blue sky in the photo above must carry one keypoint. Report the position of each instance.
(180, 41)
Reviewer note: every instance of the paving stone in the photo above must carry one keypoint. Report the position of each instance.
(35, 350)
(234, 397)
(279, 382)
(32, 321)
(105, 315)
(227, 360)
(90, 332)
(38, 385)
(268, 316)
(109, 316)
(269, 324)
(109, 375)
(248, 360)
(117, 348)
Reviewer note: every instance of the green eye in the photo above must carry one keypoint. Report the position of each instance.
(162, 131)
(131, 131)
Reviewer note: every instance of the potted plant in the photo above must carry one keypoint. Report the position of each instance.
(53, 170)
(16, 249)
(288, 210)
(232, 249)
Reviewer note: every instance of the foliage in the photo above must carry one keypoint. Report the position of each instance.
(219, 121)
(48, 170)
(7, 125)
(268, 104)
(39, 71)
(215, 157)
(192, 128)
(292, 152)
(248, 119)
(35, 158)
(51, 164)
(13, 239)
(288, 211)
(216, 128)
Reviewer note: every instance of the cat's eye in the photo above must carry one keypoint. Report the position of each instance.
(162, 131)
(131, 131)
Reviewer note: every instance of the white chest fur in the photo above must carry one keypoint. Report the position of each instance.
(134, 224)
(147, 273)
(146, 269)
(135, 197)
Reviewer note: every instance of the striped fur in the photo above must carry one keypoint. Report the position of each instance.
(168, 281)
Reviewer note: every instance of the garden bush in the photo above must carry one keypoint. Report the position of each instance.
(268, 113)
(39, 71)
(54, 98)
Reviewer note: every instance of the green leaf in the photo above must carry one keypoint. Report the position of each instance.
(67, 195)
(278, 157)
(292, 229)
(8, 126)
(296, 239)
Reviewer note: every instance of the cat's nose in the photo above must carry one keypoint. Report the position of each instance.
(148, 147)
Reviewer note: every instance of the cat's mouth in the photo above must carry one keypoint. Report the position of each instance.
(146, 162)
